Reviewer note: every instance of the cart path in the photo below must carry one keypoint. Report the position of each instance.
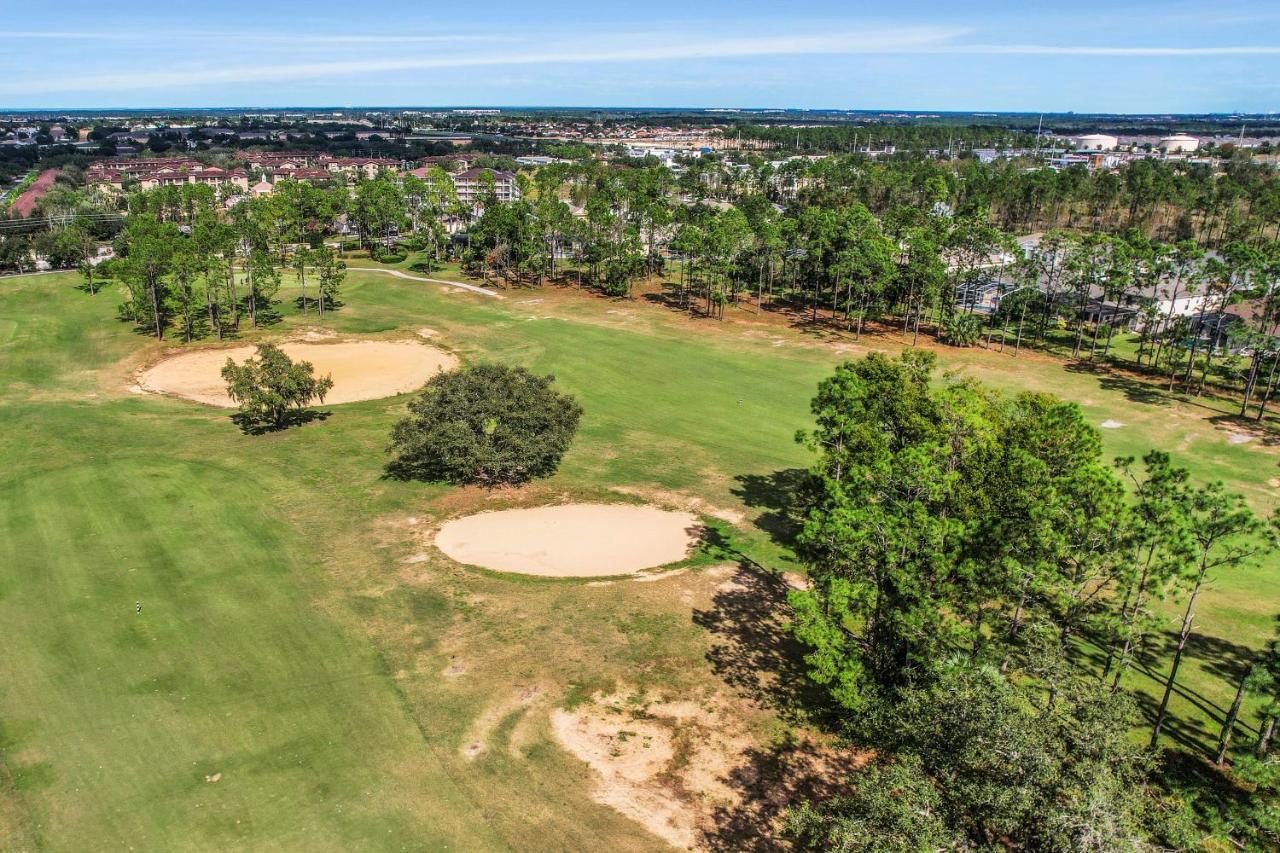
(398, 274)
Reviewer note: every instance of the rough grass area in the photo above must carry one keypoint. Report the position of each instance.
(308, 673)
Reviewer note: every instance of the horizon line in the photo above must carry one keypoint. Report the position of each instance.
(977, 111)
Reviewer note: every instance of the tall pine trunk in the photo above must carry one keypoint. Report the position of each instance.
(1188, 619)
(1264, 740)
(153, 286)
(1224, 740)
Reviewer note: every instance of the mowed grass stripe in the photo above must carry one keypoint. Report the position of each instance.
(115, 717)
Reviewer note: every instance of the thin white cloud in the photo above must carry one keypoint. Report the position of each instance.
(612, 50)
(266, 38)
(1102, 50)
(601, 48)
(55, 34)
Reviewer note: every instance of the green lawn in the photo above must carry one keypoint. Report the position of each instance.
(285, 644)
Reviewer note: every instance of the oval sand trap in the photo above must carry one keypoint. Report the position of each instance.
(571, 541)
(361, 370)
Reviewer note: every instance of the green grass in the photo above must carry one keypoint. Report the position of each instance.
(284, 642)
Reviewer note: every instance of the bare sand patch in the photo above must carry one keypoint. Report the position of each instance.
(628, 755)
(571, 540)
(658, 576)
(361, 370)
(689, 503)
(692, 773)
(1239, 438)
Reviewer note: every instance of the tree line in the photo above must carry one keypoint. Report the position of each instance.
(924, 246)
(919, 265)
(185, 266)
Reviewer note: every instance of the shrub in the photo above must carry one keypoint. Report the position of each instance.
(962, 330)
(386, 255)
(488, 424)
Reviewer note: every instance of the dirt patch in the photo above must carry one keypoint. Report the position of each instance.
(361, 370)
(684, 502)
(658, 576)
(572, 540)
(454, 669)
(1239, 438)
(1110, 424)
(691, 773)
(795, 580)
(629, 756)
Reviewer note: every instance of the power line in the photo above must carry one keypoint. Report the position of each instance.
(19, 225)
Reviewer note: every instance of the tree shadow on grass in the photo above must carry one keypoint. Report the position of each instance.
(405, 471)
(672, 297)
(269, 314)
(771, 780)
(1219, 802)
(330, 304)
(1199, 724)
(99, 285)
(1193, 735)
(753, 650)
(1220, 658)
(1134, 389)
(1259, 432)
(292, 419)
(781, 495)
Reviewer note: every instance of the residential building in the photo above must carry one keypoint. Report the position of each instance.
(470, 185)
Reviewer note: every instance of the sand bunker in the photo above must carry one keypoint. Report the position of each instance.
(361, 370)
(571, 541)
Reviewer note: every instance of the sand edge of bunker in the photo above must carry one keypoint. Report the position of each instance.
(363, 368)
(573, 540)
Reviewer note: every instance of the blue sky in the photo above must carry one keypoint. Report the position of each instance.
(1086, 56)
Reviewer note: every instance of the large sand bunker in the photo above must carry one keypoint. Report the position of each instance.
(571, 541)
(361, 370)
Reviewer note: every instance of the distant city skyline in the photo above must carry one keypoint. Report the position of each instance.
(1177, 57)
